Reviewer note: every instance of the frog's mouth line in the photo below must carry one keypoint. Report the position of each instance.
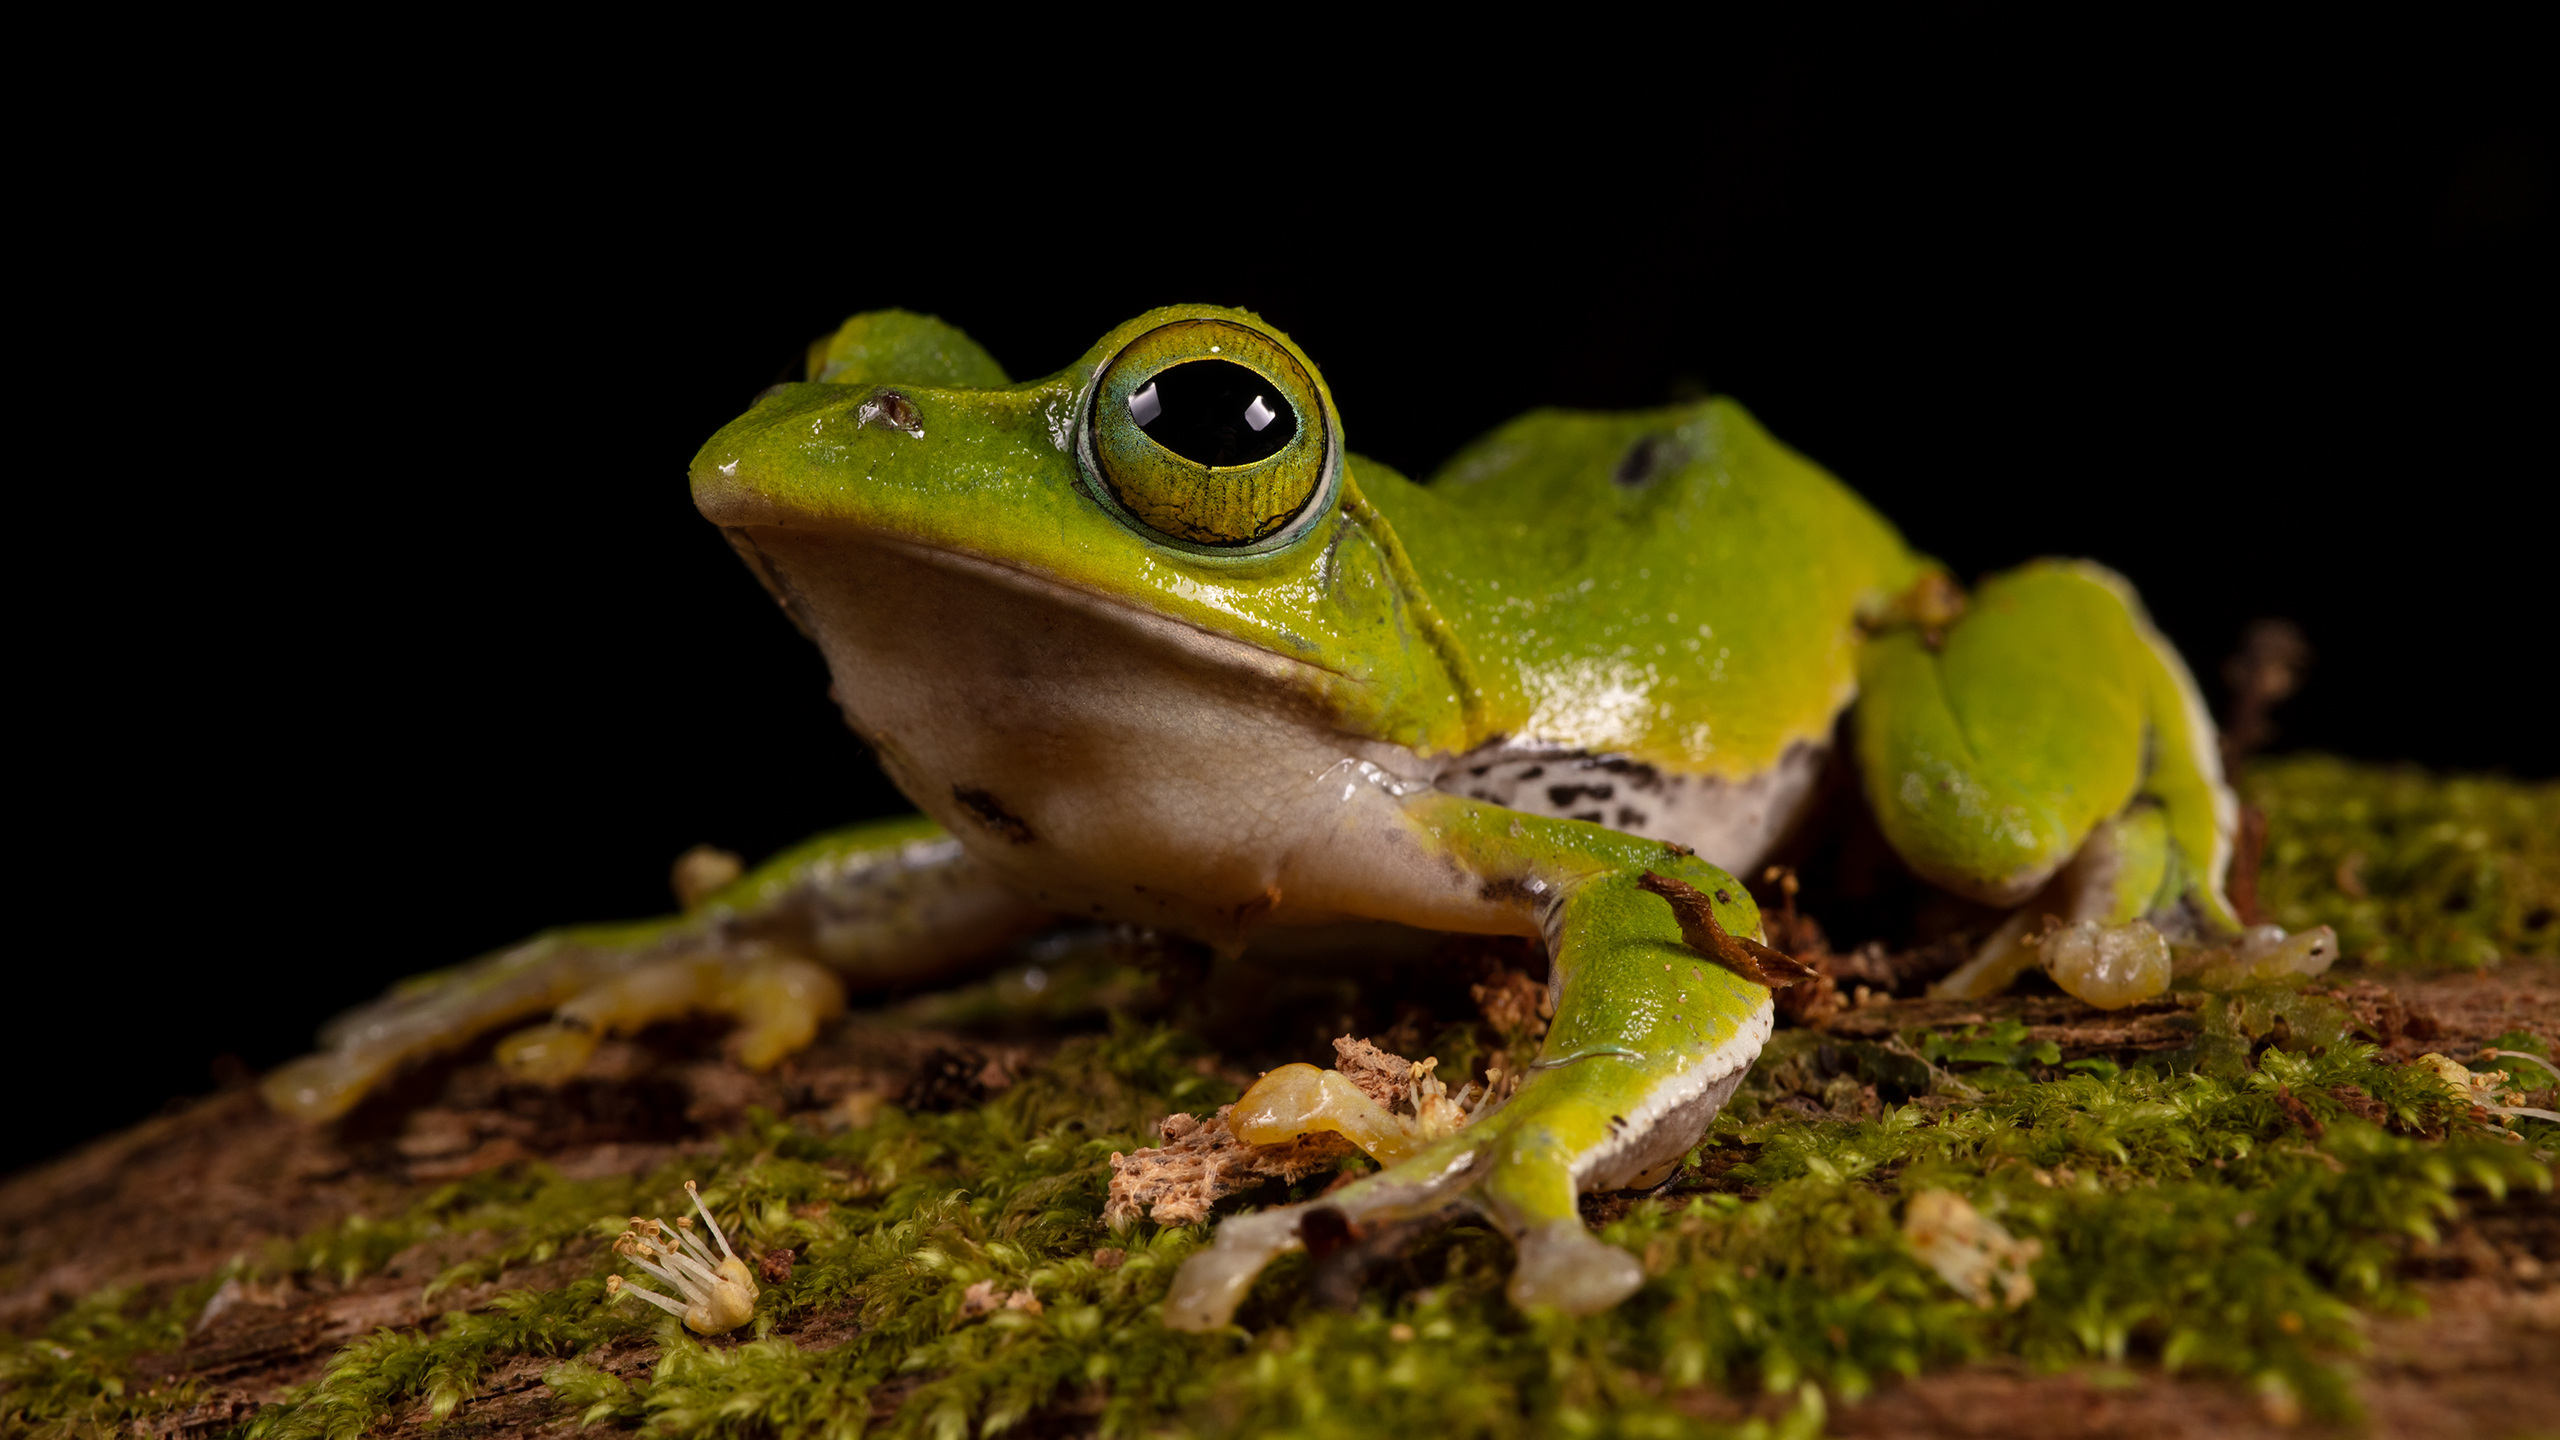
(1213, 647)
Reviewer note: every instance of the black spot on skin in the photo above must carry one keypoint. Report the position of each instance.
(1478, 770)
(1617, 1122)
(1507, 891)
(1631, 818)
(1643, 461)
(1723, 899)
(1591, 815)
(987, 810)
(1562, 795)
(1533, 772)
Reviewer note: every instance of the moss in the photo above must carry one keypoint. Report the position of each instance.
(2226, 1210)
(75, 1379)
(2411, 867)
(371, 1376)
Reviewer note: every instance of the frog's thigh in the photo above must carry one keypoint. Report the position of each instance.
(1990, 758)
(876, 903)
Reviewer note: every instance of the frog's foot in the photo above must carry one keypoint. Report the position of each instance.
(433, 1013)
(880, 903)
(779, 1002)
(2116, 926)
(1602, 1117)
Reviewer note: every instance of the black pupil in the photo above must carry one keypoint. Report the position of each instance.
(1214, 412)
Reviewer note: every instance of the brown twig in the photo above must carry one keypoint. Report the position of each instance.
(1700, 931)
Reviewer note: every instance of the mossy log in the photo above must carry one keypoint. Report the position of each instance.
(2247, 1213)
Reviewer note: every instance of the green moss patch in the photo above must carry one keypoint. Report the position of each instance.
(2231, 1209)
(2414, 869)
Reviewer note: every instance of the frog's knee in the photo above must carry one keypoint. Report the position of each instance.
(1990, 754)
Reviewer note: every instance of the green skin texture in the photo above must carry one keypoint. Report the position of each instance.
(1704, 620)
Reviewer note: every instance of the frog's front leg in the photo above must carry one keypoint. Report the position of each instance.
(1651, 1036)
(887, 902)
(2049, 750)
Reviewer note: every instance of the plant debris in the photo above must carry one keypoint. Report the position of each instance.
(1970, 1251)
(1204, 1161)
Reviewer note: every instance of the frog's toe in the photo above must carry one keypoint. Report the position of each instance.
(1213, 1282)
(1560, 1264)
(323, 1086)
(1563, 1266)
(549, 1053)
(779, 1002)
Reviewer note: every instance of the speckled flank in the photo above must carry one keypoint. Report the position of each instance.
(1731, 825)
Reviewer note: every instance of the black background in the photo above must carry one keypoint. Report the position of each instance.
(382, 630)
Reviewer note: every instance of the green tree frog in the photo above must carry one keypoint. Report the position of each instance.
(1144, 640)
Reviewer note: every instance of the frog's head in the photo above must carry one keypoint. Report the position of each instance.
(1188, 472)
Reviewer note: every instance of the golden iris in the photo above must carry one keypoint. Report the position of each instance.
(1209, 432)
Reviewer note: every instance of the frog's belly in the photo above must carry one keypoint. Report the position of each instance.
(1110, 762)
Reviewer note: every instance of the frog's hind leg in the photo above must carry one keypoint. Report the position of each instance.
(871, 905)
(2050, 750)
(1650, 1038)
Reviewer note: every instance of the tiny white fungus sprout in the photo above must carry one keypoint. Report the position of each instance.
(719, 1294)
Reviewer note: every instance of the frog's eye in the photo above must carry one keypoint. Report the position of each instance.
(1209, 433)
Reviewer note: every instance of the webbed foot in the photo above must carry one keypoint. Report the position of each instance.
(1522, 1167)
(889, 901)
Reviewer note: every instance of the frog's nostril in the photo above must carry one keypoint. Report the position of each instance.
(892, 409)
